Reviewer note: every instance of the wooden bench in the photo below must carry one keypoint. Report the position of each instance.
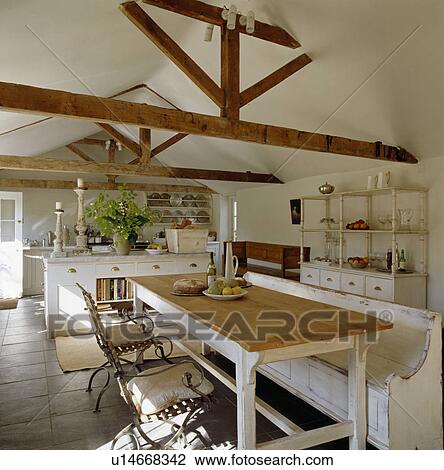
(286, 256)
(403, 371)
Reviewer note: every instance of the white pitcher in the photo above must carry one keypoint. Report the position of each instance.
(230, 267)
(383, 179)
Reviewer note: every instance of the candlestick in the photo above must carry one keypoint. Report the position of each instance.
(58, 242)
(81, 227)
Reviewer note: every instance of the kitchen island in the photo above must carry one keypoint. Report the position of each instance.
(104, 275)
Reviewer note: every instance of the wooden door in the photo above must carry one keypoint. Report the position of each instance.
(11, 245)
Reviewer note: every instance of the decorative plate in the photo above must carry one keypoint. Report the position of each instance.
(175, 200)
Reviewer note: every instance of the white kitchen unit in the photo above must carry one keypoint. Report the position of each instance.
(403, 289)
(64, 305)
(33, 270)
(382, 210)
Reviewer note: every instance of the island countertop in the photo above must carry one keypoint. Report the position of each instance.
(134, 256)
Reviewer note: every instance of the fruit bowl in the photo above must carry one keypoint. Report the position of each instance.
(225, 297)
(154, 251)
(358, 265)
(358, 262)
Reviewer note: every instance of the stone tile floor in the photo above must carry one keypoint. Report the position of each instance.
(43, 408)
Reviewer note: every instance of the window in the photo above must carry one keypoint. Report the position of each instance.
(232, 217)
(234, 220)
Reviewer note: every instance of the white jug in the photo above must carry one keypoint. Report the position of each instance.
(383, 179)
(230, 268)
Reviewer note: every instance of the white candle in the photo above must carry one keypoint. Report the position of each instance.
(58, 206)
(80, 183)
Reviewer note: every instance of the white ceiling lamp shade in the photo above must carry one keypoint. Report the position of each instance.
(107, 145)
(209, 33)
(248, 21)
(230, 16)
(119, 146)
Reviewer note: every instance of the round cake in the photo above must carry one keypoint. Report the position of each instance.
(189, 286)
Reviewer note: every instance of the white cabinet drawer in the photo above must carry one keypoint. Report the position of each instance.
(115, 269)
(72, 273)
(153, 268)
(379, 288)
(330, 279)
(310, 276)
(192, 265)
(353, 283)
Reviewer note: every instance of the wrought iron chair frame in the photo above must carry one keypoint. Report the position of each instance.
(191, 406)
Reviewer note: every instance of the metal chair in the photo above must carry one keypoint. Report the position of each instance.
(128, 335)
(158, 394)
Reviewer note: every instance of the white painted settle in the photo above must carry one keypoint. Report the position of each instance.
(404, 385)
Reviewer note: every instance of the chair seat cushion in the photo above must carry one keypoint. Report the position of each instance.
(154, 393)
(126, 333)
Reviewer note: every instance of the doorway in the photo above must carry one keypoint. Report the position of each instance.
(11, 245)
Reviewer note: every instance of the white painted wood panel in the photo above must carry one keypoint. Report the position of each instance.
(378, 288)
(330, 279)
(353, 284)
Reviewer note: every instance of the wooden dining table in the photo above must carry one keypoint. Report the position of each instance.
(263, 327)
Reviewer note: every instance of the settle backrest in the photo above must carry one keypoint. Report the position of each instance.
(406, 344)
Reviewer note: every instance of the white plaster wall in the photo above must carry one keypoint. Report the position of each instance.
(39, 204)
(264, 215)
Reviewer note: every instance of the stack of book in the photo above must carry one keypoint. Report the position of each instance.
(114, 289)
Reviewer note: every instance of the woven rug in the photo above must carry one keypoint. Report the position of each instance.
(8, 304)
(82, 352)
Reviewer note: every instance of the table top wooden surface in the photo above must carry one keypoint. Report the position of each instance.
(264, 319)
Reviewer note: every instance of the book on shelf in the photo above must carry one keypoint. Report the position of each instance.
(114, 289)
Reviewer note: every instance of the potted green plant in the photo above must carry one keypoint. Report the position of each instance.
(120, 218)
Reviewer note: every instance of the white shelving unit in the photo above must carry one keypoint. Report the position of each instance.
(197, 207)
(391, 291)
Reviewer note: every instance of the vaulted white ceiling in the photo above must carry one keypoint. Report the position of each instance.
(377, 74)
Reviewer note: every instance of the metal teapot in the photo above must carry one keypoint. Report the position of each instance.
(326, 188)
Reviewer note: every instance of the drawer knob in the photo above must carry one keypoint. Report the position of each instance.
(378, 288)
(309, 276)
(329, 279)
(72, 270)
(156, 266)
(115, 268)
(193, 265)
(351, 283)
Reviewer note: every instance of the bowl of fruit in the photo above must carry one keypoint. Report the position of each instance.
(358, 262)
(358, 225)
(225, 289)
(157, 249)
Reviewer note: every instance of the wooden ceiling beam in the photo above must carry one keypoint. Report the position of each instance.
(89, 141)
(230, 72)
(161, 147)
(273, 79)
(145, 146)
(28, 99)
(213, 14)
(129, 144)
(58, 184)
(172, 50)
(79, 153)
(72, 166)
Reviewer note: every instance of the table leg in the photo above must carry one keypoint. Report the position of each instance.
(246, 401)
(137, 303)
(357, 393)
